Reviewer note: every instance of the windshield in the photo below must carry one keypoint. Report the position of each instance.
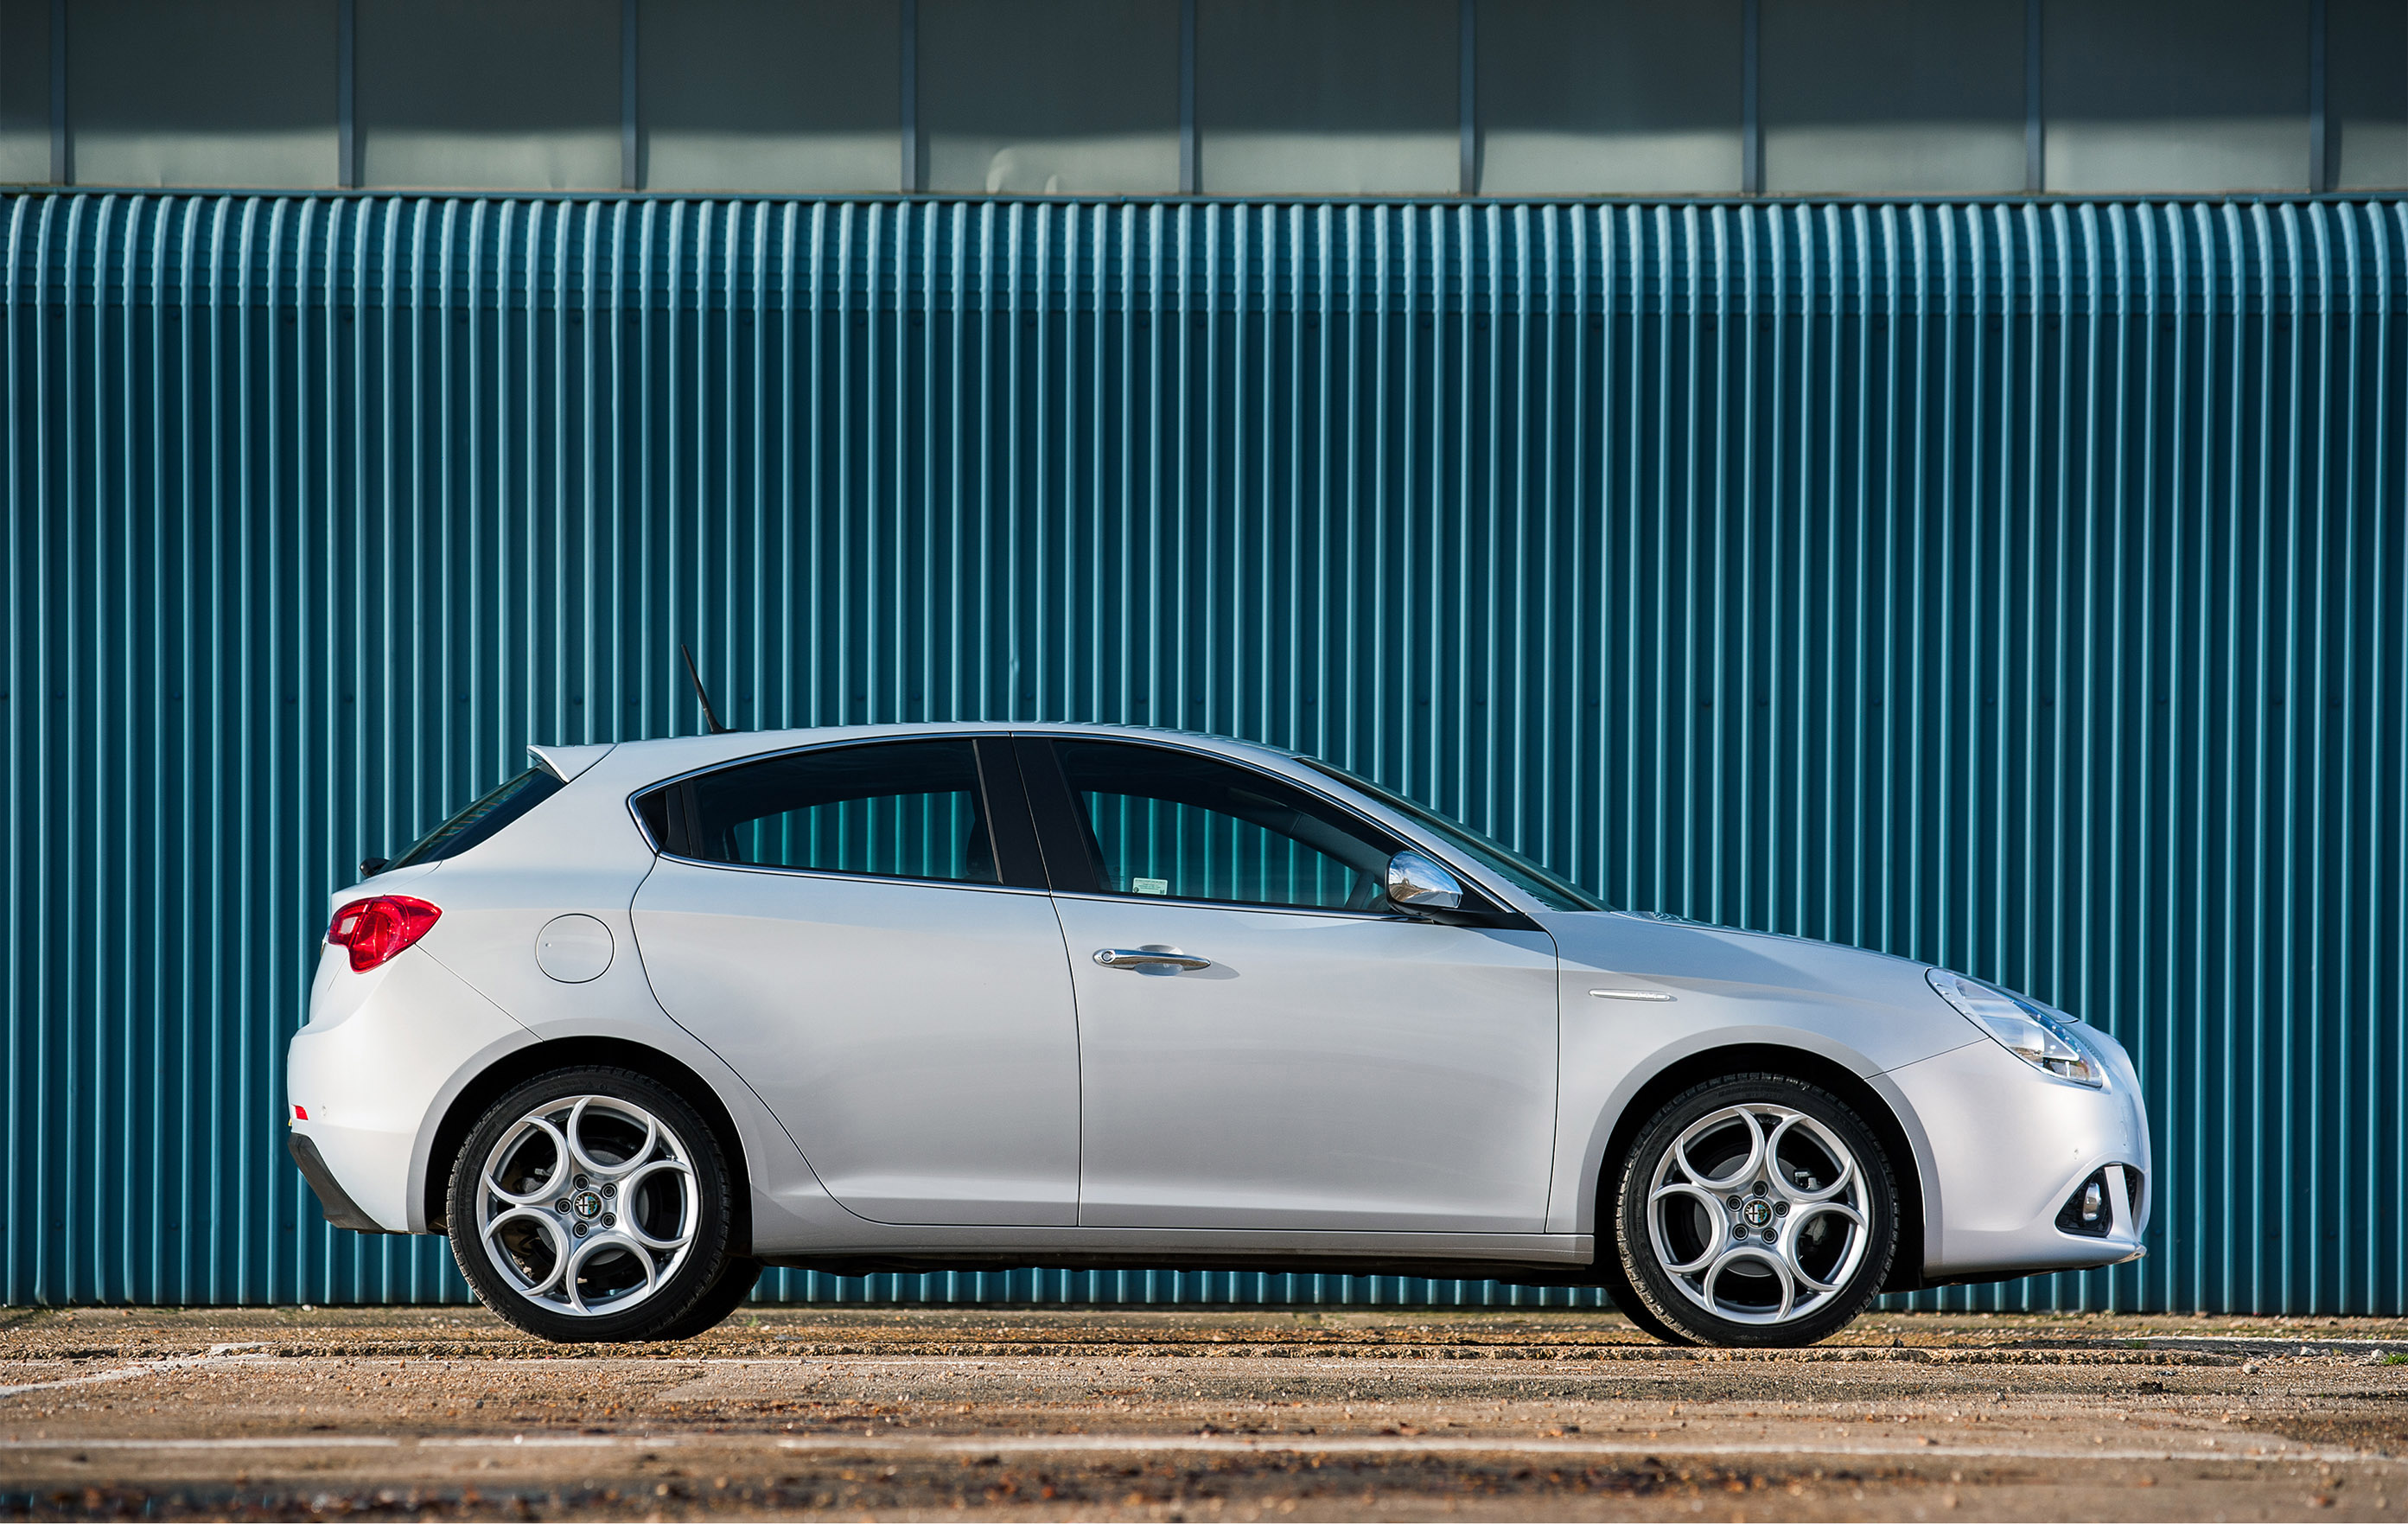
(1520, 871)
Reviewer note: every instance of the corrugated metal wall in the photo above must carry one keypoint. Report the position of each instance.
(2022, 586)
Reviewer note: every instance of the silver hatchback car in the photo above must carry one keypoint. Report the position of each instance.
(652, 1016)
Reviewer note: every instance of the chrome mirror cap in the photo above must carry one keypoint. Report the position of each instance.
(1419, 884)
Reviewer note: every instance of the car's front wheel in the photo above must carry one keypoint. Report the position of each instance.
(1755, 1209)
(594, 1203)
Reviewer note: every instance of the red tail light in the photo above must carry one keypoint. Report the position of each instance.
(376, 931)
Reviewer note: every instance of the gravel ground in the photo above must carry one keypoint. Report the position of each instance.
(1197, 1416)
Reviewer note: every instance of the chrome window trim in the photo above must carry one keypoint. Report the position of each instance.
(1233, 904)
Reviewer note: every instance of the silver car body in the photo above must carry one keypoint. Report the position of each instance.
(929, 1074)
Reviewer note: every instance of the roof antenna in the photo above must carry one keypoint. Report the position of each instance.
(709, 716)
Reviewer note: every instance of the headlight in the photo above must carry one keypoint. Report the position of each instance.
(2026, 1029)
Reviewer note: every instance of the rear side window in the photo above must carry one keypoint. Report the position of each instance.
(909, 809)
(483, 819)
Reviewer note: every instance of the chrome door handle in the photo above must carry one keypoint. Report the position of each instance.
(1145, 957)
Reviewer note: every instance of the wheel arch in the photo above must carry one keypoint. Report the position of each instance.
(521, 1065)
(1878, 1111)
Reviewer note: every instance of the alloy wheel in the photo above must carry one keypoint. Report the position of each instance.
(587, 1206)
(1756, 1214)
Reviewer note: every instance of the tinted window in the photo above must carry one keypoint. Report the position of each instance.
(482, 819)
(908, 810)
(1187, 827)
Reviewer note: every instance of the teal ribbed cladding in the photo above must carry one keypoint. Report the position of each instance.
(2021, 586)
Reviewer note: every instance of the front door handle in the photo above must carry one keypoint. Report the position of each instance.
(1150, 957)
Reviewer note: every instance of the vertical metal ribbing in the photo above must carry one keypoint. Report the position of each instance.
(2312, 452)
(322, 508)
(2388, 237)
(2190, 802)
(2376, 466)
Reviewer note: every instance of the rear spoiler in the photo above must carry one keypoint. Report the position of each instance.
(566, 762)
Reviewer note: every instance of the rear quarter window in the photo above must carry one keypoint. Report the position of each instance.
(483, 819)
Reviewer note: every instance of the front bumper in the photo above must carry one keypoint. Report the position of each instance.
(2011, 1145)
(374, 1071)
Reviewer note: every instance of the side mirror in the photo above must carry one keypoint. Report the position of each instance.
(1416, 883)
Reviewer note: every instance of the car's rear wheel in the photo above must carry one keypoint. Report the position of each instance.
(1755, 1209)
(595, 1203)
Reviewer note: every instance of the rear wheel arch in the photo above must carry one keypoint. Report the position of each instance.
(515, 1068)
(1906, 1264)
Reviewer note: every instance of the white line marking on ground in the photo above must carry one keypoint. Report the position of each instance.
(1233, 1445)
(2266, 1341)
(1241, 1366)
(1505, 1445)
(555, 1442)
(280, 1442)
(218, 1355)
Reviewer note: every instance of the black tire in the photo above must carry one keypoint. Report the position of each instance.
(1615, 1284)
(737, 1284)
(1746, 1267)
(683, 1291)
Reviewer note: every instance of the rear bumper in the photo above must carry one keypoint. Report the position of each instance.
(371, 1076)
(335, 1204)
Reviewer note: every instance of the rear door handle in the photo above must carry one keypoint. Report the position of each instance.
(1150, 957)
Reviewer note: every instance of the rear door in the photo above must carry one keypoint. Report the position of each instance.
(862, 933)
(1313, 1060)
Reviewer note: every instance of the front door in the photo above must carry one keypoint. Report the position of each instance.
(1334, 1064)
(860, 932)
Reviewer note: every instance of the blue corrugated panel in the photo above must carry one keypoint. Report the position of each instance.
(2022, 586)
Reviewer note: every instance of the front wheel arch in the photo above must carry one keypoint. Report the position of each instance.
(1906, 1261)
(515, 1068)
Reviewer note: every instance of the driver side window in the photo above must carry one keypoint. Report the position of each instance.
(1186, 826)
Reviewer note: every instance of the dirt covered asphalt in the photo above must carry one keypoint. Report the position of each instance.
(1197, 1416)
